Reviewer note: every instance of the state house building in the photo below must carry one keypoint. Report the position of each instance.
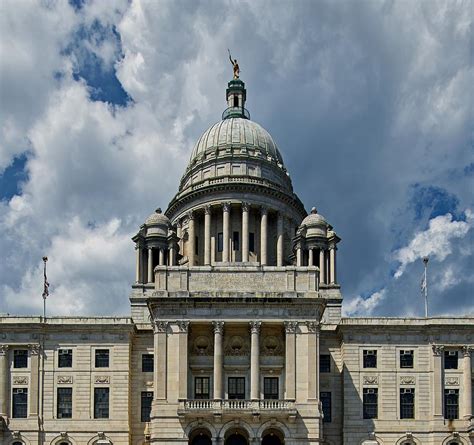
(236, 335)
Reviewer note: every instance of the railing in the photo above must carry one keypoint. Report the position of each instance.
(237, 405)
(236, 112)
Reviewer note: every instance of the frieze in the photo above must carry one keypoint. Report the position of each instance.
(451, 381)
(407, 380)
(370, 380)
(20, 380)
(64, 379)
(103, 379)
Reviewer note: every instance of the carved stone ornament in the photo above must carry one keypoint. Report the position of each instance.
(190, 215)
(451, 381)
(255, 327)
(407, 380)
(64, 379)
(312, 326)
(3, 349)
(370, 380)
(102, 379)
(226, 206)
(101, 435)
(437, 350)
(20, 380)
(218, 327)
(245, 206)
(160, 326)
(466, 351)
(34, 349)
(236, 346)
(207, 209)
(291, 326)
(271, 346)
(202, 345)
(183, 326)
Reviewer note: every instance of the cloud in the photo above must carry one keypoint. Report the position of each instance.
(436, 241)
(363, 306)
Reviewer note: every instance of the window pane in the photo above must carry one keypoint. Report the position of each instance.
(147, 362)
(270, 387)
(220, 242)
(147, 399)
(201, 388)
(324, 363)
(407, 403)
(370, 359)
(450, 359)
(451, 403)
(325, 398)
(236, 387)
(65, 358)
(20, 403)
(370, 403)
(64, 410)
(20, 358)
(101, 358)
(406, 359)
(101, 403)
(235, 240)
(251, 242)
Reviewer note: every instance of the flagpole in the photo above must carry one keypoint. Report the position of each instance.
(45, 288)
(425, 262)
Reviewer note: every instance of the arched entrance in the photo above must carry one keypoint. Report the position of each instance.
(272, 437)
(236, 438)
(200, 437)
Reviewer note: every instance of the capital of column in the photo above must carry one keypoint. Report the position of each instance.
(313, 326)
(466, 351)
(207, 209)
(190, 214)
(245, 206)
(263, 210)
(183, 326)
(218, 327)
(291, 326)
(179, 224)
(255, 327)
(437, 350)
(160, 326)
(226, 206)
(3, 350)
(34, 349)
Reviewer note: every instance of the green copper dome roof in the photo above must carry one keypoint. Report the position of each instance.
(237, 133)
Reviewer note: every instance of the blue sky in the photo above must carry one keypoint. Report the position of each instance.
(370, 103)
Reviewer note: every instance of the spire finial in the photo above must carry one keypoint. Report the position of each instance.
(235, 65)
(158, 210)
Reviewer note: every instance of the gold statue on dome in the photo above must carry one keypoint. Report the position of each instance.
(235, 65)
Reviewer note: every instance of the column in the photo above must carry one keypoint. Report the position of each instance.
(150, 265)
(263, 236)
(245, 232)
(332, 262)
(161, 259)
(191, 239)
(4, 373)
(160, 331)
(225, 231)
(313, 358)
(322, 266)
(34, 383)
(218, 358)
(137, 270)
(172, 255)
(183, 359)
(179, 234)
(310, 257)
(467, 383)
(255, 360)
(299, 256)
(280, 240)
(207, 235)
(438, 387)
(290, 359)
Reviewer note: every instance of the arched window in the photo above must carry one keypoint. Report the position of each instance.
(236, 101)
(18, 443)
(200, 437)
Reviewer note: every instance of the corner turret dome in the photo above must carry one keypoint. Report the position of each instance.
(315, 224)
(157, 223)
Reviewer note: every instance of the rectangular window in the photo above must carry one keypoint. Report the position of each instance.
(147, 362)
(101, 358)
(324, 363)
(407, 403)
(64, 409)
(220, 242)
(370, 359)
(451, 403)
(20, 403)
(406, 359)
(147, 399)
(370, 403)
(20, 358)
(236, 387)
(196, 245)
(325, 398)
(270, 388)
(251, 242)
(201, 388)
(101, 403)
(65, 358)
(235, 240)
(450, 359)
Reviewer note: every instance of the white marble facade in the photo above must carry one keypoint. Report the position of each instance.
(236, 335)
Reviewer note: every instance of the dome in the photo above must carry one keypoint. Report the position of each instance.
(315, 224)
(237, 132)
(157, 224)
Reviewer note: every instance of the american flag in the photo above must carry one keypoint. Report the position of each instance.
(46, 284)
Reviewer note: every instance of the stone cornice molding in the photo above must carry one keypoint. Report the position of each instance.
(183, 326)
(218, 327)
(255, 326)
(291, 327)
(437, 350)
(3, 350)
(160, 326)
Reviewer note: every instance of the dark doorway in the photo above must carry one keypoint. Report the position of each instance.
(201, 439)
(236, 439)
(271, 439)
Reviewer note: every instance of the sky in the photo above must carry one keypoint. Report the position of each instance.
(370, 103)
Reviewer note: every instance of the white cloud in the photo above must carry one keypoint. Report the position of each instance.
(436, 241)
(359, 306)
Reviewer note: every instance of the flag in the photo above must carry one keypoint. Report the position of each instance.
(46, 284)
(423, 283)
